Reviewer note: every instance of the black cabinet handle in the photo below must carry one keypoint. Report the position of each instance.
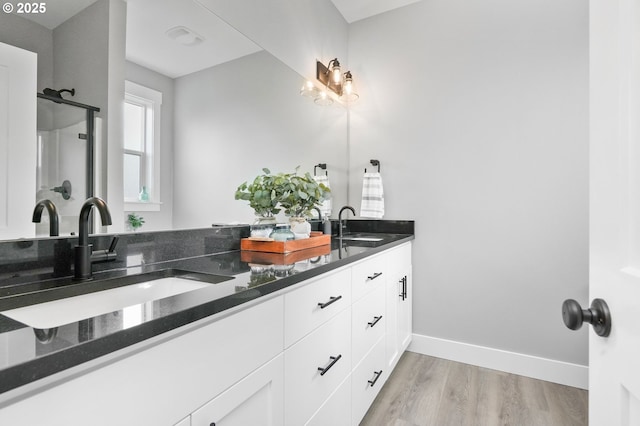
(374, 276)
(375, 321)
(212, 424)
(331, 300)
(333, 359)
(377, 374)
(403, 281)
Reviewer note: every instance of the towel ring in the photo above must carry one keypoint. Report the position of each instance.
(374, 163)
(323, 166)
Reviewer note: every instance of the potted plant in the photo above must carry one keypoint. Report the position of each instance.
(299, 196)
(263, 198)
(135, 221)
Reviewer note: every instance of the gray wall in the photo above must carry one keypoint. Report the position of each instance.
(234, 119)
(478, 112)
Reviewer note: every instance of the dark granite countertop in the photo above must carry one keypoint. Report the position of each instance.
(33, 354)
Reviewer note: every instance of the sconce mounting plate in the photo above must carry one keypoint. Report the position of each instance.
(324, 76)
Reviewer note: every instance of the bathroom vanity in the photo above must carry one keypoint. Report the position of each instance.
(313, 345)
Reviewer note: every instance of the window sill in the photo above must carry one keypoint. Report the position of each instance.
(139, 206)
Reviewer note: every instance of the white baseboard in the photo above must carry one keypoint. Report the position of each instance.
(511, 362)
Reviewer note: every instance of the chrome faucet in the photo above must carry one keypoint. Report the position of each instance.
(84, 254)
(53, 216)
(340, 226)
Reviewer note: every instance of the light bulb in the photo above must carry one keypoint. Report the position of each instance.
(337, 75)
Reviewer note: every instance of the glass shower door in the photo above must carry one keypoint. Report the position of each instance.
(62, 169)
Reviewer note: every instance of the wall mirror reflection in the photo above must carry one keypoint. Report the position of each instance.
(224, 109)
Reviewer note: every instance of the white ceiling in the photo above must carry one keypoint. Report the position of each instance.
(149, 20)
(354, 10)
(149, 46)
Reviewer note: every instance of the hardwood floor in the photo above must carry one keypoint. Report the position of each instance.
(430, 391)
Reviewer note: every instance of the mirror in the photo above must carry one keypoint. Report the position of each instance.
(221, 122)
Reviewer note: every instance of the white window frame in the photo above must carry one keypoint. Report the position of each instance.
(150, 166)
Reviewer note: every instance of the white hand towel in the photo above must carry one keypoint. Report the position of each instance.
(325, 207)
(372, 196)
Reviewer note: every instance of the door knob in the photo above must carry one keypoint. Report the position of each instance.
(597, 315)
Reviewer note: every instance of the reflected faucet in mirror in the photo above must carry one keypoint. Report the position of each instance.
(84, 254)
(340, 225)
(53, 216)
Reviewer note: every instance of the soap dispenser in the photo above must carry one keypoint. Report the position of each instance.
(326, 225)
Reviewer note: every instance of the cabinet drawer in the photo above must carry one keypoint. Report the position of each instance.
(368, 323)
(368, 275)
(336, 411)
(310, 306)
(315, 366)
(367, 380)
(255, 400)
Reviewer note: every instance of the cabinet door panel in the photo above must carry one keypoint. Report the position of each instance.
(314, 304)
(368, 323)
(306, 387)
(368, 275)
(255, 400)
(336, 411)
(367, 380)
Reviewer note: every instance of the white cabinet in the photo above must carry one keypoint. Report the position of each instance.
(255, 400)
(315, 366)
(164, 383)
(368, 274)
(315, 303)
(368, 323)
(336, 411)
(399, 304)
(367, 380)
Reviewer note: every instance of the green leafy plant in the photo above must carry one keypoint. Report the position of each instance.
(262, 193)
(301, 194)
(135, 221)
(268, 194)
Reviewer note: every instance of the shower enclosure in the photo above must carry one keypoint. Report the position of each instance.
(65, 157)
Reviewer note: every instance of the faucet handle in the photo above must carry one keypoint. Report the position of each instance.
(114, 243)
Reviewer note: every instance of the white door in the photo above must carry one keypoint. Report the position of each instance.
(17, 141)
(614, 361)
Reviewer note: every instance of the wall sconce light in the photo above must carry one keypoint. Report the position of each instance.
(333, 79)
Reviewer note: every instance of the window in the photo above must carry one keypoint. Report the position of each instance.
(141, 145)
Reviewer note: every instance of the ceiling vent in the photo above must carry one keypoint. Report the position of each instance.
(184, 36)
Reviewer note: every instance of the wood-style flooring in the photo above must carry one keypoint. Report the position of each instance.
(431, 391)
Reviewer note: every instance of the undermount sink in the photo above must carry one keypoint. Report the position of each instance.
(137, 289)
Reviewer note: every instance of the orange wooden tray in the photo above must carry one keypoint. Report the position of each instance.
(316, 239)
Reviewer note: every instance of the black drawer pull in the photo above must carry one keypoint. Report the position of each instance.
(333, 359)
(403, 281)
(375, 321)
(374, 276)
(331, 300)
(377, 374)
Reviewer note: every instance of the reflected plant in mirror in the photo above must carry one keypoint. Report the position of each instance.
(134, 221)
